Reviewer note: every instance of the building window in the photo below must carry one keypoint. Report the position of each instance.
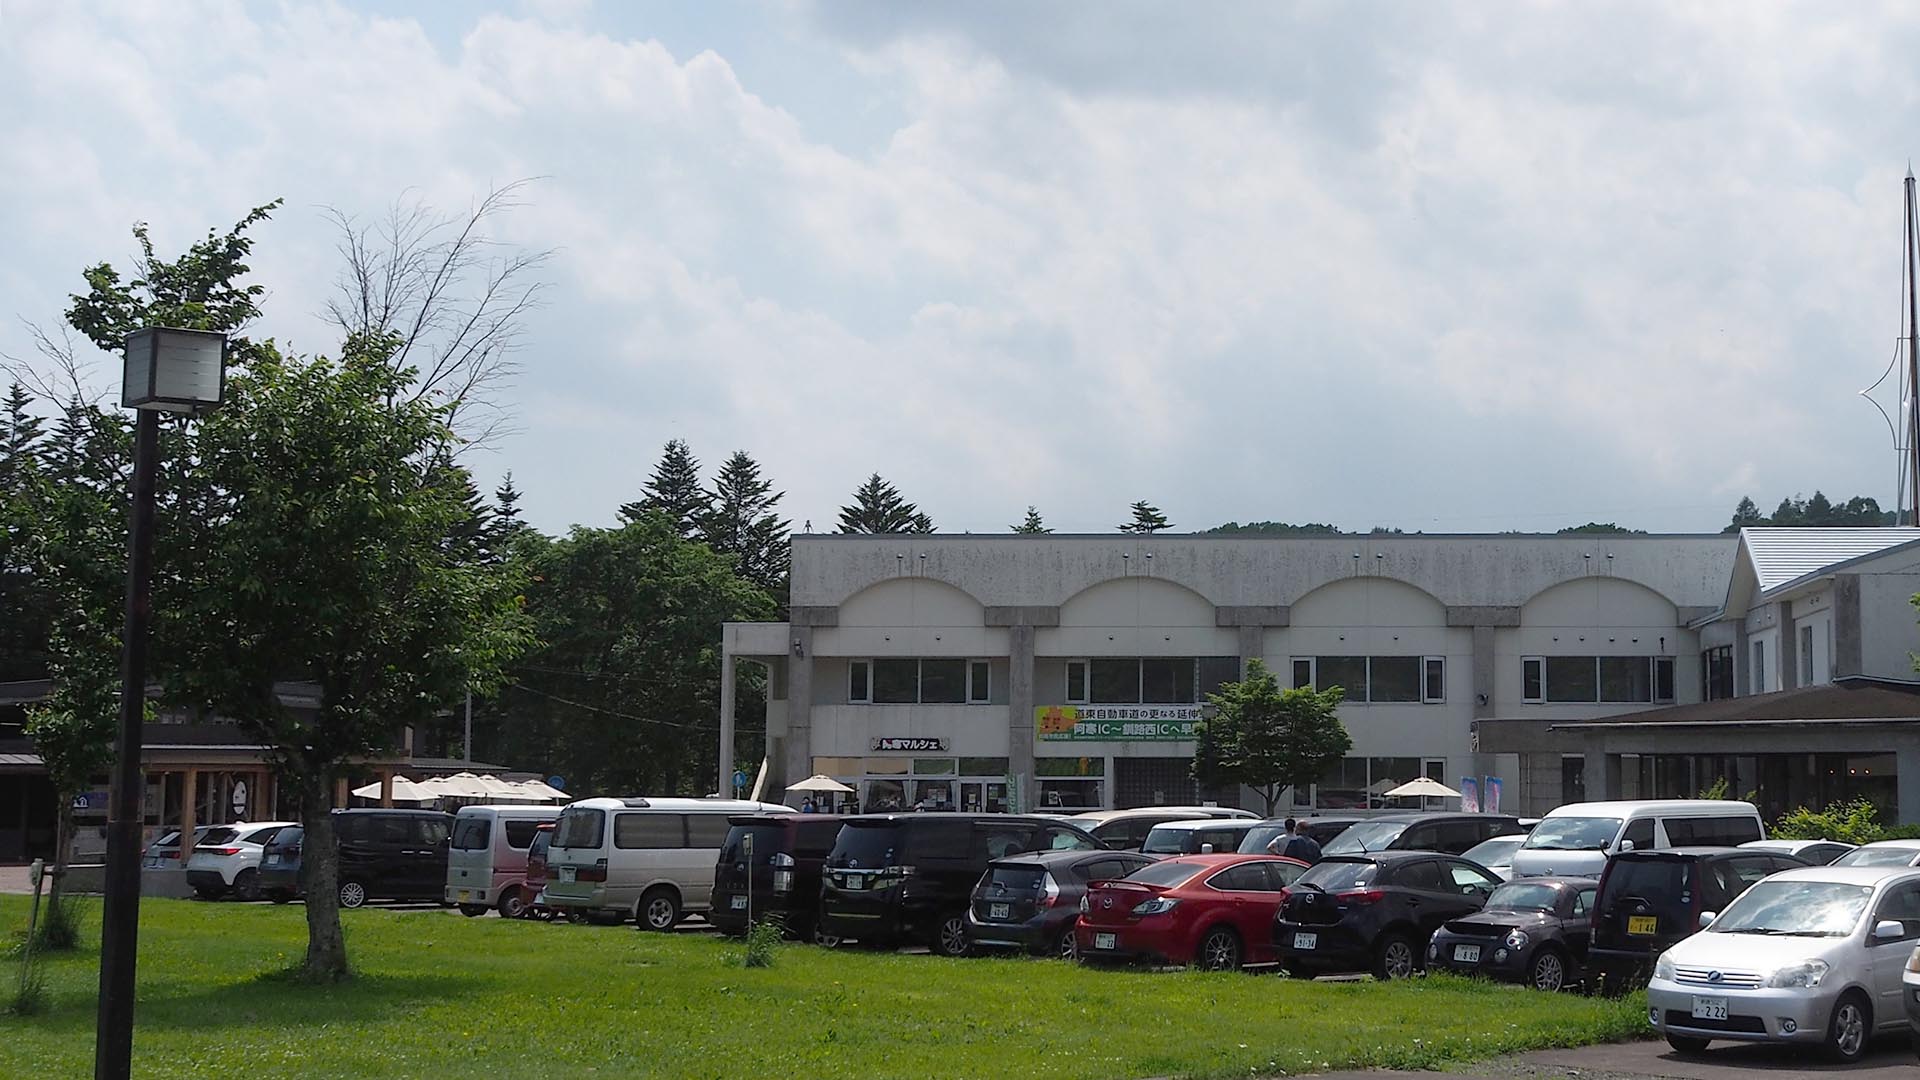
(1115, 682)
(1376, 679)
(1596, 680)
(1757, 674)
(896, 682)
(917, 682)
(1806, 656)
(1533, 679)
(1302, 672)
(1076, 682)
(1716, 673)
(979, 682)
(857, 686)
(1436, 688)
(1182, 680)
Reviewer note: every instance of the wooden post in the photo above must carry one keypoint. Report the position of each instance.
(340, 793)
(189, 795)
(386, 788)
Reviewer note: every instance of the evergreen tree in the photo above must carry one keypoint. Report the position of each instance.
(739, 522)
(879, 508)
(507, 525)
(20, 432)
(1746, 515)
(1032, 526)
(674, 490)
(1147, 518)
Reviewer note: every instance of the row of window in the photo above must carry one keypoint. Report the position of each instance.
(1148, 681)
(1376, 678)
(1587, 680)
(919, 682)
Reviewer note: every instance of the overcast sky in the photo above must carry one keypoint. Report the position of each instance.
(1441, 266)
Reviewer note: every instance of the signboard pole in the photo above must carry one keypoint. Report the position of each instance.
(746, 843)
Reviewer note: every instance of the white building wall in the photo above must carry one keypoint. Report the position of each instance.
(1889, 635)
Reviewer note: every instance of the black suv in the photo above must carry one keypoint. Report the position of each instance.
(908, 877)
(788, 852)
(1649, 900)
(1451, 833)
(1032, 902)
(391, 854)
(1374, 912)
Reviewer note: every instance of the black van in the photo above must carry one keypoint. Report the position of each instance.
(1648, 900)
(893, 878)
(788, 852)
(392, 854)
(1449, 833)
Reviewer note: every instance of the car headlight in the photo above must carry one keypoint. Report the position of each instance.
(1805, 973)
(1517, 940)
(1663, 967)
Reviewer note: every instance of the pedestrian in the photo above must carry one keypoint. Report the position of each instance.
(806, 805)
(1296, 844)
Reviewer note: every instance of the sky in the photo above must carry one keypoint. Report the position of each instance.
(1443, 267)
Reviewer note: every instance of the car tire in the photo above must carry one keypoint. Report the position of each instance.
(1066, 948)
(1219, 951)
(1548, 970)
(950, 936)
(246, 885)
(513, 902)
(1850, 1029)
(1395, 957)
(658, 909)
(1295, 971)
(206, 894)
(280, 896)
(473, 911)
(1687, 1044)
(353, 894)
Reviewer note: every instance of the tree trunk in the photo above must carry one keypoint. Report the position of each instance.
(320, 877)
(1272, 795)
(62, 847)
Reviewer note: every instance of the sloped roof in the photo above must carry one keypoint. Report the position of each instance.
(1781, 555)
(1847, 699)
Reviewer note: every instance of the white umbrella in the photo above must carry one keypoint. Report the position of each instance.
(402, 790)
(817, 782)
(1425, 786)
(540, 789)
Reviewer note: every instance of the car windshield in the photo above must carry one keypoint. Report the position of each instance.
(1164, 841)
(216, 837)
(1169, 873)
(1798, 908)
(1523, 896)
(1573, 834)
(580, 827)
(867, 847)
(1258, 837)
(471, 833)
(1494, 852)
(1877, 856)
(1019, 877)
(1365, 836)
(288, 837)
(768, 841)
(1333, 876)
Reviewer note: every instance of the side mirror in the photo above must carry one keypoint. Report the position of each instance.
(1888, 930)
(1707, 917)
(1206, 849)
(1626, 845)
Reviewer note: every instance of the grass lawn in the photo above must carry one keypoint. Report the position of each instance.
(440, 995)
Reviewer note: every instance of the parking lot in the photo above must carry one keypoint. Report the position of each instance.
(1651, 1059)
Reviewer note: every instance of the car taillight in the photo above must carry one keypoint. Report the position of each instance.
(1362, 896)
(1050, 889)
(1086, 908)
(220, 850)
(596, 872)
(782, 872)
(1599, 893)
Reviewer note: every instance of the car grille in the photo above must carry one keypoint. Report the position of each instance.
(1732, 980)
(1751, 1024)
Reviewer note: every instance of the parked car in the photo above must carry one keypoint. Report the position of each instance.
(1211, 911)
(893, 878)
(1533, 931)
(487, 857)
(535, 882)
(164, 852)
(1374, 912)
(1322, 830)
(1448, 833)
(1496, 854)
(1814, 955)
(1031, 902)
(1811, 852)
(1577, 838)
(789, 851)
(227, 860)
(1201, 837)
(1651, 900)
(1882, 853)
(1126, 830)
(280, 865)
(650, 860)
(388, 854)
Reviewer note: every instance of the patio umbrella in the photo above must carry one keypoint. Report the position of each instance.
(817, 782)
(404, 790)
(540, 789)
(1425, 786)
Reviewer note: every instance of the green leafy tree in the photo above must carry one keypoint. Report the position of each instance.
(879, 508)
(23, 595)
(1273, 528)
(674, 490)
(1269, 739)
(1147, 518)
(1858, 512)
(1600, 528)
(740, 523)
(1032, 526)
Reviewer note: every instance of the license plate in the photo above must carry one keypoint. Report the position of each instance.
(273, 860)
(855, 883)
(1467, 954)
(567, 873)
(999, 911)
(1642, 924)
(739, 903)
(1709, 1008)
(1105, 941)
(1306, 941)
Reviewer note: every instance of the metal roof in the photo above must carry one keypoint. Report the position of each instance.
(1782, 555)
(31, 761)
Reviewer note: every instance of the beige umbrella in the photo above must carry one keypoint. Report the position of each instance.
(1425, 786)
(818, 782)
(540, 789)
(403, 790)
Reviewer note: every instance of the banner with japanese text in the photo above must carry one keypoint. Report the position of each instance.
(1115, 723)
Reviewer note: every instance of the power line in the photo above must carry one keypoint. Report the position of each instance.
(713, 728)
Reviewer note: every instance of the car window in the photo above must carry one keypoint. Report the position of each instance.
(1281, 874)
(261, 836)
(217, 836)
(649, 831)
(388, 829)
(1059, 839)
(1457, 836)
(1419, 838)
(1242, 878)
(1334, 875)
(706, 830)
(815, 837)
(1467, 879)
(429, 832)
(1097, 870)
(997, 841)
(1583, 903)
(520, 833)
(1641, 833)
(1223, 840)
(350, 827)
(1424, 874)
(1901, 904)
(472, 833)
(1750, 869)
(1718, 831)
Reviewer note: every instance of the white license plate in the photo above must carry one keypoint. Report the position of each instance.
(1467, 954)
(1105, 941)
(273, 860)
(1709, 1008)
(739, 903)
(855, 883)
(1306, 941)
(999, 911)
(567, 873)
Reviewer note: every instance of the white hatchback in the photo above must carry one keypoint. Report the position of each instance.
(227, 859)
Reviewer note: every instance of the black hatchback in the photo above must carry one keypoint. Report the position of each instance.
(1450, 833)
(1031, 902)
(894, 878)
(1532, 930)
(788, 852)
(1648, 900)
(1374, 912)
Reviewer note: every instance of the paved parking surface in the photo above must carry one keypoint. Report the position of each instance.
(1889, 1059)
(13, 879)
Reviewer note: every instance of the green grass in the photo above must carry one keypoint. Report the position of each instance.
(439, 995)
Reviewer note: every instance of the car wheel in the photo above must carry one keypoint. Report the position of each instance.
(206, 894)
(950, 937)
(473, 911)
(1066, 948)
(1849, 1029)
(825, 940)
(1219, 951)
(1297, 972)
(1687, 1044)
(658, 910)
(1394, 958)
(576, 916)
(352, 894)
(246, 885)
(1548, 971)
(280, 896)
(513, 903)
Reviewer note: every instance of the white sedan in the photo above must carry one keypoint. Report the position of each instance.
(227, 860)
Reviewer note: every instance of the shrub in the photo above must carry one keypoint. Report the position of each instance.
(60, 925)
(762, 938)
(30, 995)
(1856, 822)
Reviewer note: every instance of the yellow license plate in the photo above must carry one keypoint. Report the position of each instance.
(1642, 924)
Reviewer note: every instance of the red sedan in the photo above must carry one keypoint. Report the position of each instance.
(1212, 911)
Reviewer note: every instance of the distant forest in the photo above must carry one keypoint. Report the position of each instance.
(1796, 511)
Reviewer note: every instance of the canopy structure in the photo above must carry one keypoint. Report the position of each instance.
(470, 787)
(818, 782)
(1425, 786)
(403, 790)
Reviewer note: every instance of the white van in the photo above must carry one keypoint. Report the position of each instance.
(1576, 839)
(487, 857)
(648, 859)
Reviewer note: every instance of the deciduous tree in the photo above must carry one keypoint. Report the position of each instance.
(1267, 738)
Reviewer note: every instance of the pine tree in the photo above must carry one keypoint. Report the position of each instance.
(878, 508)
(19, 433)
(1147, 518)
(1745, 516)
(507, 525)
(674, 490)
(1033, 525)
(739, 522)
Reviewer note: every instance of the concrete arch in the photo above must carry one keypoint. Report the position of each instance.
(1595, 600)
(911, 601)
(1137, 601)
(1368, 601)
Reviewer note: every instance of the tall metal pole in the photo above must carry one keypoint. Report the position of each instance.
(1913, 365)
(466, 740)
(120, 916)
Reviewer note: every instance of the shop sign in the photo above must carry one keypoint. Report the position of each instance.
(903, 744)
(1116, 723)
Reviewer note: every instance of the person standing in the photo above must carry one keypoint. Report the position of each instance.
(1296, 844)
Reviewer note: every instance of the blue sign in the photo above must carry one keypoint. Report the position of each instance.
(557, 782)
(739, 778)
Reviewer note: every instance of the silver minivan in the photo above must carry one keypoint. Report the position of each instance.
(487, 857)
(651, 860)
(1575, 839)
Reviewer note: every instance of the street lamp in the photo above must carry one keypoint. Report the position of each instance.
(167, 370)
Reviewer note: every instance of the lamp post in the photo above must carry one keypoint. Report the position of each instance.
(167, 370)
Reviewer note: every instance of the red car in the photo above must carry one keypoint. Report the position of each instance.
(1212, 911)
